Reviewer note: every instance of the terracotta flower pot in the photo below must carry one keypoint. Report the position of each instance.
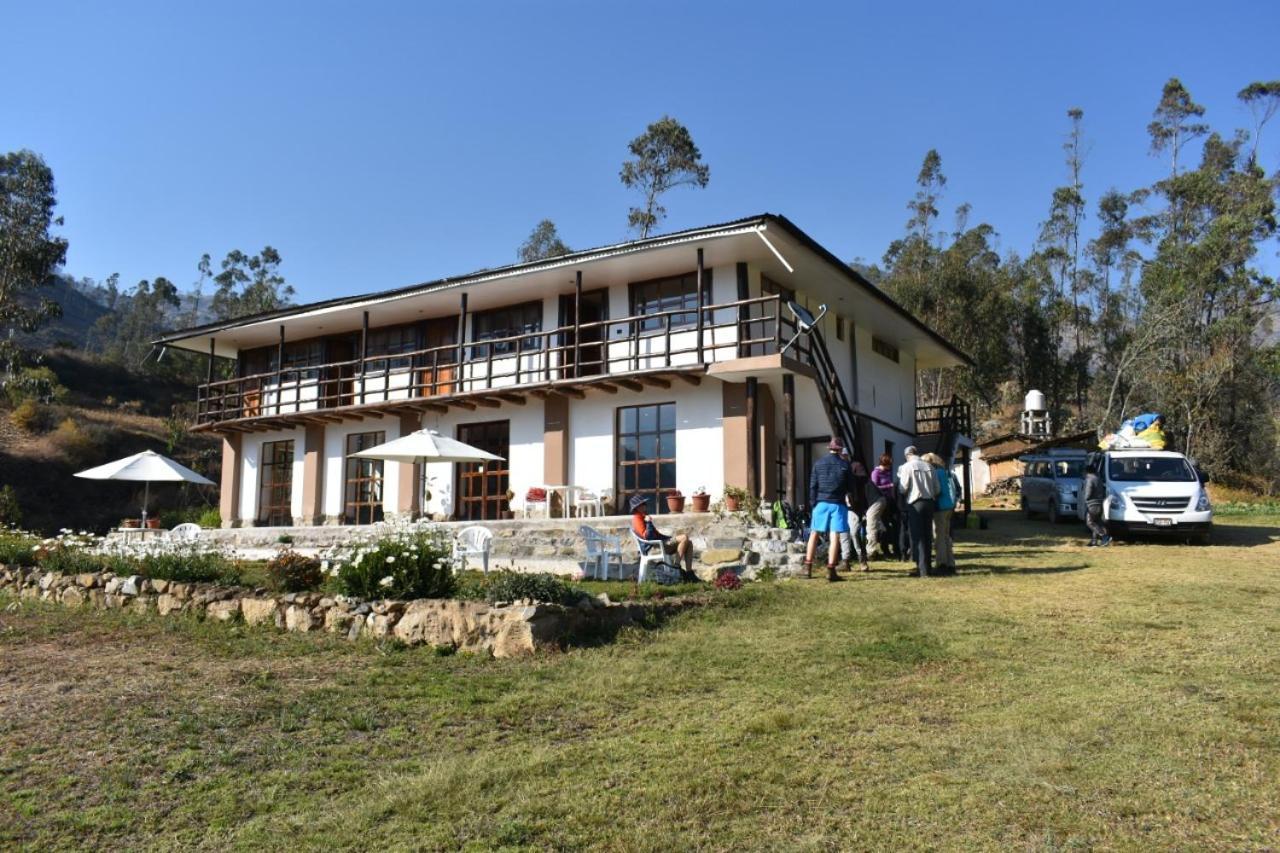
(731, 504)
(153, 524)
(675, 503)
(701, 503)
(130, 523)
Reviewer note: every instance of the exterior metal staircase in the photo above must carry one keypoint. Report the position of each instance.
(839, 413)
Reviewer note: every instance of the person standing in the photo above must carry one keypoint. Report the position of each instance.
(829, 485)
(948, 493)
(918, 484)
(881, 507)
(851, 541)
(1095, 495)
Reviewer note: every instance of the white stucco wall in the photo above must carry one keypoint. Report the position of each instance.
(334, 466)
(525, 458)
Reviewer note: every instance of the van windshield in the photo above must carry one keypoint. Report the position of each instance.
(1069, 468)
(1160, 469)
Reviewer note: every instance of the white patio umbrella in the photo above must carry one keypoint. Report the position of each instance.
(148, 467)
(427, 445)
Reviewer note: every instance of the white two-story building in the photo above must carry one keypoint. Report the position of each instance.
(648, 367)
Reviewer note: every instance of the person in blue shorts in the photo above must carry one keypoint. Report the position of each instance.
(830, 483)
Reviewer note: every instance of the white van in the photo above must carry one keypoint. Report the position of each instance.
(1154, 491)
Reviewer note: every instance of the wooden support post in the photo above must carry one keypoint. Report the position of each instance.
(462, 336)
(744, 311)
(753, 439)
(279, 377)
(789, 436)
(968, 481)
(700, 300)
(364, 353)
(211, 357)
(577, 323)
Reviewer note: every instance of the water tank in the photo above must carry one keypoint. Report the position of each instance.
(1034, 402)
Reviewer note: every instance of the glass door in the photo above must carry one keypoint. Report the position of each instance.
(482, 487)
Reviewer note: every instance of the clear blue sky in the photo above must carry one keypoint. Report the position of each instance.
(379, 144)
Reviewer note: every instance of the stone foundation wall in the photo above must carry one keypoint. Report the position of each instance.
(554, 545)
(500, 630)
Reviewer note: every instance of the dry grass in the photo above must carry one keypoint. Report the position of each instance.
(1052, 696)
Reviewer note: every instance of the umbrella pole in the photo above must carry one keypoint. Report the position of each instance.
(146, 498)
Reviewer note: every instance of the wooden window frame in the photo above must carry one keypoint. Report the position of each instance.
(659, 492)
(688, 287)
(272, 511)
(360, 472)
(483, 471)
(884, 349)
(526, 319)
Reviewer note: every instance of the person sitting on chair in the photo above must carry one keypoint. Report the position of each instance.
(678, 545)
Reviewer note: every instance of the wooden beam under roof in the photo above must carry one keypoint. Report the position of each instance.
(656, 381)
(518, 399)
(487, 402)
(691, 378)
(629, 384)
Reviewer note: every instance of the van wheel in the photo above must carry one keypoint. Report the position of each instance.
(1200, 539)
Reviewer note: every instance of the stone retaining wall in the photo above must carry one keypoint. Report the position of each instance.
(500, 630)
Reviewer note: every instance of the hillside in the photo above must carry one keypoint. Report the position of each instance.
(106, 413)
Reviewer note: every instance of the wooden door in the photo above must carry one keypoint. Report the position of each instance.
(438, 374)
(339, 384)
(482, 487)
(588, 358)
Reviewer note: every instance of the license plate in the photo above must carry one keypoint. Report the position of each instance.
(1163, 522)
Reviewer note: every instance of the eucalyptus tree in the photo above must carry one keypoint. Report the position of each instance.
(665, 158)
(29, 253)
(543, 242)
(250, 284)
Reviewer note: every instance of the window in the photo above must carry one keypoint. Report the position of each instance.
(509, 322)
(1159, 469)
(676, 294)
(275, 486)
(391, 340)
(362, 497)
(884, 348)
(839, 328)
(297, 356)
(646, 454)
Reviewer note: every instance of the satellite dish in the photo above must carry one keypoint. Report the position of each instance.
(805, 321)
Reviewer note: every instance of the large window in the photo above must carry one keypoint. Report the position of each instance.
(390, 341)
(500, 323)
(678, 293)
(646, 454)
(362, 500)
(275, 484)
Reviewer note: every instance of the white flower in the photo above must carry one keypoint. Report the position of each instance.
(387, 581)
(390, 559)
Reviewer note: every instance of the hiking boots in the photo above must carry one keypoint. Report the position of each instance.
(832, 577)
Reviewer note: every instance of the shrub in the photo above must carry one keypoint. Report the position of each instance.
(403, 561)
(728, 580)
(210, 519)
(171, 518)
(511, 586)
(17, 548)
(34, 384)
(29, 416)
(290, 571)
(10, 511)
(71, 553)
(73, 440)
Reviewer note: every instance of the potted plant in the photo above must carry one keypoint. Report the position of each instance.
(701, 500)
(153, 523)
(675, 501)
(734, 498)
(131, 523)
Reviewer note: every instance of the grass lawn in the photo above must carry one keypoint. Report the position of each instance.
(1051, 696)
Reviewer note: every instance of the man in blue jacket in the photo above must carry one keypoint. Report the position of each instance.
(830, 483)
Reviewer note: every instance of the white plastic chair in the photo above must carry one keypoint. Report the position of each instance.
(656, 557)
(601, 548)
(587, 502)
(186, 531)
(472, 542)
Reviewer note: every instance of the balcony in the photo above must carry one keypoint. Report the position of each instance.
(630, 352)
(954, 417)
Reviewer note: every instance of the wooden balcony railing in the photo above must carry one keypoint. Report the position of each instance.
(584, 351)
(955, 416)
